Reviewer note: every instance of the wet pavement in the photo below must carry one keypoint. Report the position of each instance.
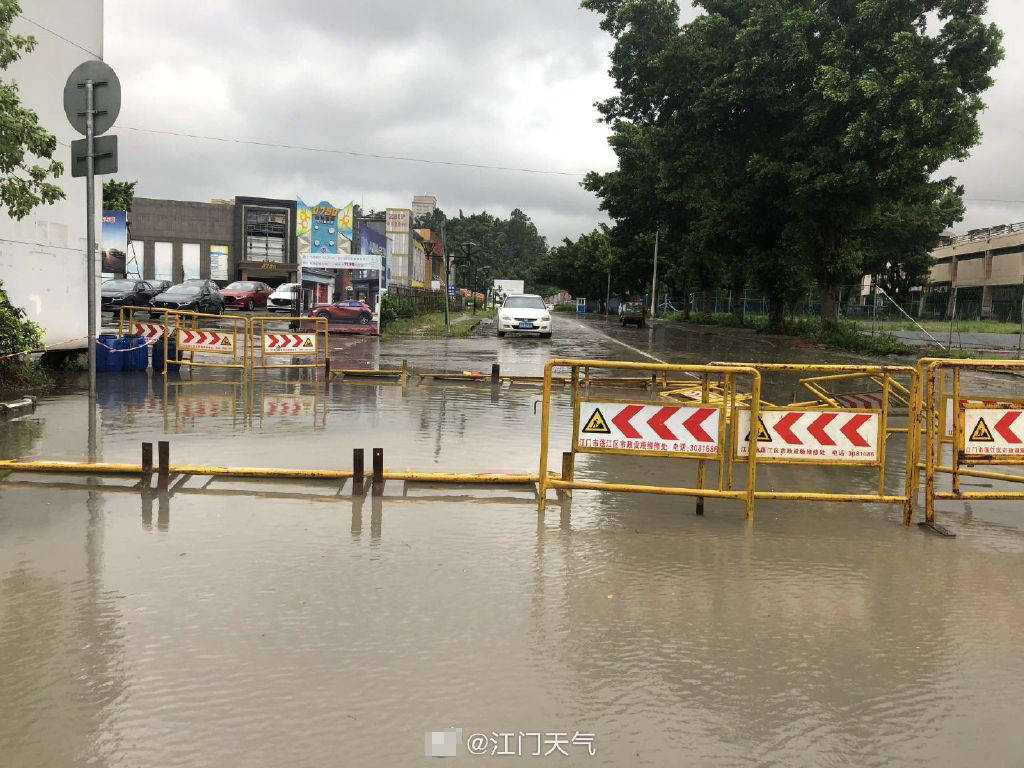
(286, 623)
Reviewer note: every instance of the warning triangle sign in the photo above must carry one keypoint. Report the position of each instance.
(762, 433)
(596, 424)
(981, 433)
(307, 343)
(225, 342)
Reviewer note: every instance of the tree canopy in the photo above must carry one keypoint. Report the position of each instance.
(26, 148)
(118, 195)
(797, 143)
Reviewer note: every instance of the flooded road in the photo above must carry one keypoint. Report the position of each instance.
(286, 623)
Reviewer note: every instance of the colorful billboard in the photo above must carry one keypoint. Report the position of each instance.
(376, 243)
(114, 242)
(398, 222)
(323, 228)
(218, 262)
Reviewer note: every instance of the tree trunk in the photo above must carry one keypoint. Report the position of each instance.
(686, 296)
(707, 300)
(829, 304)
(776, 316)
(739, 304)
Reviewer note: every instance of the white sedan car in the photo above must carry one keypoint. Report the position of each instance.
(524, 314)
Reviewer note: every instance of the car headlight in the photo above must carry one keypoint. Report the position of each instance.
(545, 318)
(506, 318)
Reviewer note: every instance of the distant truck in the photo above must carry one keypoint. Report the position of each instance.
(509, 287)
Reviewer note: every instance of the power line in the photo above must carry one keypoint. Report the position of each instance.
(43, 245)
(349, 152)
(991, 200)
(58, 34)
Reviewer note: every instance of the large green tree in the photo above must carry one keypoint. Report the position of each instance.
(27, 167)
(118, 195)
(783, 140)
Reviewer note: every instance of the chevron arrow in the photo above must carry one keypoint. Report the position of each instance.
(1003, 427)
(816, 429)
(622, 418)
(695, 420)
(657, 422)
(850, 430)
(783, 428)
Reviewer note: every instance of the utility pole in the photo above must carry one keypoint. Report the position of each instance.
(608, 293)
(1020, 337)
(447, 281)
(952, 319)
(654, 280)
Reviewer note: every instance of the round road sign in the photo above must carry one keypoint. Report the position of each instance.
(106, 96)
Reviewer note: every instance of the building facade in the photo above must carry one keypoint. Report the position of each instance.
(43, 256)
(982, 271)
(423, 204)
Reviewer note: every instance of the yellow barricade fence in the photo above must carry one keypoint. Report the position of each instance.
(304, 337)
(224, 336)
(833, 433)
(719, 423)
(982, 430)
(147, 322)
(651, 428)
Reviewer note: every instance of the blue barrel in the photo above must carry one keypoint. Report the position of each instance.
(108, 358)
(136, 354)
(158, 356)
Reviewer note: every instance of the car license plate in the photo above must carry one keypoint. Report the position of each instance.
(526, 325)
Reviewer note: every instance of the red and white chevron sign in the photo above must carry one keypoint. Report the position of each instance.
(994, 431)
(291, 343)
(149, 331)
(669, 430)
(811, 436)
(287, 405)
(859, 399)
(205, 341)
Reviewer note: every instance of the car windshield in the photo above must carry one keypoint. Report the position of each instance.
(286, 288)
(155, 283)
(524, 302)
(188, 290)
(119, 285)
(241, 286)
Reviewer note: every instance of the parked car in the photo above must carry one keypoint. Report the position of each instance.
(118, 292)
(525, 313)
(346, 311)
(246, 294)
(282, 297)
(155, 287)
(193, 295)
(632, 313)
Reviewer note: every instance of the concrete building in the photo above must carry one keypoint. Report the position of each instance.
(248, 238)
(172, 239)
(986, 267)
(423, 204)
(43, 256)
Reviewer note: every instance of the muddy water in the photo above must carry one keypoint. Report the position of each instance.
(284, 624)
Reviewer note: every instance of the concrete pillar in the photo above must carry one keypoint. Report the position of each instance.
(986, 289)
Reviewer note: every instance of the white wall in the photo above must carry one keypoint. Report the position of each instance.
(44, 271)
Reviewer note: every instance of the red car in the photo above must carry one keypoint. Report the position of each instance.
(346, 311)
(246, 294)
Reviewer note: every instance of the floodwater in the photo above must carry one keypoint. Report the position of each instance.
(284, 623)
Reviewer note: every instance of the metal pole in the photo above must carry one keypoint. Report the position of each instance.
(447, 281)
(654, 280)
(952, 318)
(1020, 337)
(608, 293)
(90, 272)
(874, 302)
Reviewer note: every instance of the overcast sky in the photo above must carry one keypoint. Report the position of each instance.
(476, 81)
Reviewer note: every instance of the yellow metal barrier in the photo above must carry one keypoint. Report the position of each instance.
(302, 337)
(833, 435)
(650, 429)
(194, 332)
(985, 431)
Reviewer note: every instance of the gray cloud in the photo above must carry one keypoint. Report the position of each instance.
(480, 81)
